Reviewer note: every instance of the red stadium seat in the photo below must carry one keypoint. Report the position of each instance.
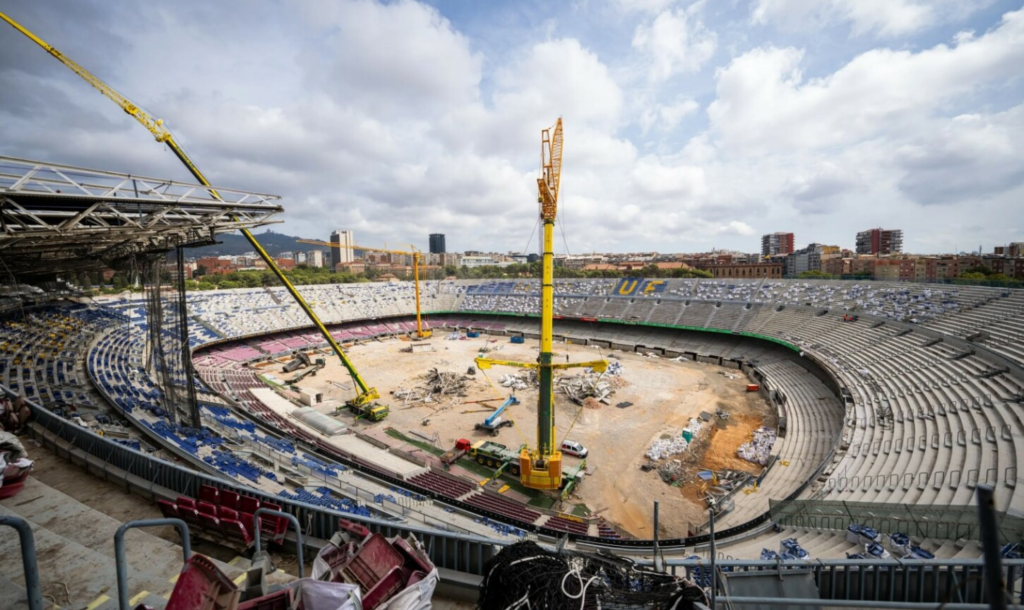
(187, 511)
(247, 504)
(209, 494)
(229, 499)
(168, 509)
(205, 508)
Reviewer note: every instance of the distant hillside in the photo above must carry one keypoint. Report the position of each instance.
(234, 244)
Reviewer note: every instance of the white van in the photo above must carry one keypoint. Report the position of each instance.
(574, 448)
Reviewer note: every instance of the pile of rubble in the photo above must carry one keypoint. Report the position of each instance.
(758, 449)
(435, 387)
(520, 381)
(578, 388)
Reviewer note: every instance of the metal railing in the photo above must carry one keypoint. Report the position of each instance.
(872, 581)
(121, 560)
(28, 559)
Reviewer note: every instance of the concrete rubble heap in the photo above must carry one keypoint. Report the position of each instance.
(436, 385)
(520, 381)
(578, 388)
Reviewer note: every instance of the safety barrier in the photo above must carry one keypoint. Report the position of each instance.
(907, 581)
(121, 561)
(28, 559)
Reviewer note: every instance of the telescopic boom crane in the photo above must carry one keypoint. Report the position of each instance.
(420, 332)
(156, 127)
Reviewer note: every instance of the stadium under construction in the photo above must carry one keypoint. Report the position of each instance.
(525, 442)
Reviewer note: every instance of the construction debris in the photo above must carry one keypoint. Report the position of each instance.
(663, 448)
(578, 388)
(758, 449)
(520, 381)
(437, 385)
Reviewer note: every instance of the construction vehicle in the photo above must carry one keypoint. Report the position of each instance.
(370, 411)
(460, 449)
(494, 423)
(541, 468)
(421, 333)
(497, 456)
(366, 394)
(506, 460)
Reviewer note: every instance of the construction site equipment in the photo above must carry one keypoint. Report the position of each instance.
(310, 372)
(366, 394)
(461, 448)
(497, 456)
(753, 387)
(421, 333)
(541, 468)
(494, 423)
(300, 360)
(370, 411)
(518, 339)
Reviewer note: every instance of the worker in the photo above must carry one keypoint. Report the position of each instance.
(567, 358)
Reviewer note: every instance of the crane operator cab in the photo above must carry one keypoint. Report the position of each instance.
(574, 448)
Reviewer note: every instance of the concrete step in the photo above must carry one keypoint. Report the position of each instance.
(75, 547)
(13, 595)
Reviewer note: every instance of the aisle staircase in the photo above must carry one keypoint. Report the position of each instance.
(75, 550)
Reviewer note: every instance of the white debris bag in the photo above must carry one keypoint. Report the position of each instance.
(759, 448)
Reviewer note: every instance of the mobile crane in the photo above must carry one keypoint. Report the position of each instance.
(421, 333)
(541, 468)
(365, 394)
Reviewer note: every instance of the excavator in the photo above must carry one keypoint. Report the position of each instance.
(541, 468)
(366, 395)
(421, 333)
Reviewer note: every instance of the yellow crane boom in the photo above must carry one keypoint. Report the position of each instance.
(156, 127)
(420, 332)
(541, 468)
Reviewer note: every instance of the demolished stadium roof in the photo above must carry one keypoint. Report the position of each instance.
(60, 218)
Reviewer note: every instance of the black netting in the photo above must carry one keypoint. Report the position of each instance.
(167, 344)
(526, 576)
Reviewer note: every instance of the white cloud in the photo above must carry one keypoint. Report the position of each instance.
(676, 41)
(648, 6)
(681, 183)
(403, 57)
(765, 104)
(887, 18)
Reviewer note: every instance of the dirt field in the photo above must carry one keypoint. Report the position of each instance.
(665, 395)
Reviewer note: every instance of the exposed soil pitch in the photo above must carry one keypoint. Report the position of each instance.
(665, 395)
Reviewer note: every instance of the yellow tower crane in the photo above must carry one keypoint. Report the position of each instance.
(420, 332)
(541, 468)
(156, 127)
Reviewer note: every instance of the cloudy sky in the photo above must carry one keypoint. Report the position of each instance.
(689, 125)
